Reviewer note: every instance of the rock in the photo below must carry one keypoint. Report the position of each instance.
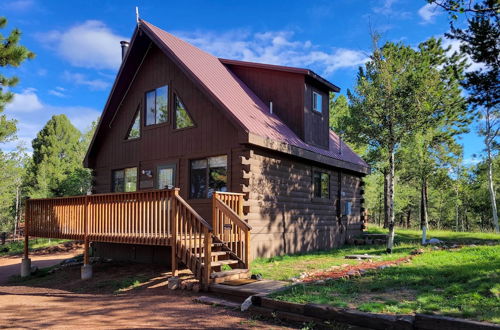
(320, 282)
(436, 248)
(256, 277)
(353, 273)
(33, 269)
(173, 282)
(417, 251)
(246, 304)
(344, 265)
(382, 267)
(334, 267)
(434, 241)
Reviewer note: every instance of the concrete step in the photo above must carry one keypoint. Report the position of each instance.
(217, 302)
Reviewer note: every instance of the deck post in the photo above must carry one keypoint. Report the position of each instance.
(86, 270)
(26, 261)
(208, 259)
(174, 219)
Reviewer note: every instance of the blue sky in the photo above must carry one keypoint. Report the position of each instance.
(78, 51)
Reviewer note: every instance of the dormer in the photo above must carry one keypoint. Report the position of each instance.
(299, 97)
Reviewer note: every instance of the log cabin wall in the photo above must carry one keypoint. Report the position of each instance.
(161, 144)
(285, 216)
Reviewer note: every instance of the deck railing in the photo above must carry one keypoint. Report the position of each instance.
(229, 226)
(154, 217)
(135, 217)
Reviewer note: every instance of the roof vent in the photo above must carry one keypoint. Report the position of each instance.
(124, 45)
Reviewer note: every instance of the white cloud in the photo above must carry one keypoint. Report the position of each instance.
(89, 45)
(18, 5)
(274, 47)
(26, 101)
(387, 9)
(455, 47)
(428, 13)
(29, 125)
(81, 79)
(58, 91)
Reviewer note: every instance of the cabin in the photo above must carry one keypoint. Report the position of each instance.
(198, 159)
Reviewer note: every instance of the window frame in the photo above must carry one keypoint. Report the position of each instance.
(207, 175)
(138, 111)
(124, 179)
(145, 110)
(174, 113)
(172, 166)
(320, 111)
(321, 197)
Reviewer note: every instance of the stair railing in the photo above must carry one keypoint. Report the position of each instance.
(229, 226)
(191, 239)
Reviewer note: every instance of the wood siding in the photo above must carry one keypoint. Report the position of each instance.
(285, 216)
(284, 89)
(161, 144)
(316, 125)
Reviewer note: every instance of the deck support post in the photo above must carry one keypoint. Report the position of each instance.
(86, 270)
(174, 219)
(26, 261)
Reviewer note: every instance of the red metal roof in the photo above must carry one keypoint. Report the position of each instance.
(238, 99)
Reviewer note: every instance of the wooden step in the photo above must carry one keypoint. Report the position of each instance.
(214, 253)
(222, 262)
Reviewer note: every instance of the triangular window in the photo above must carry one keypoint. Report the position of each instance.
(135, 130)
(182, 118)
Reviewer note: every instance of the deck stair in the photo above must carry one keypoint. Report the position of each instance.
(208, 250)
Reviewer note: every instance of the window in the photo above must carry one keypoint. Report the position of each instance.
(321, 183)
(157, 106)
(348, 208)
(208, 175)
(125, 180)
(317, 102)
(166, 176)
(135, 130)
(182, 118)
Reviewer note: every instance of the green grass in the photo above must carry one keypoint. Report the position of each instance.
(17, 247)
(415, 236)
(462, 283)
(288, 266)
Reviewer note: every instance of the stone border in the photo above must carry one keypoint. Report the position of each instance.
(323, 313)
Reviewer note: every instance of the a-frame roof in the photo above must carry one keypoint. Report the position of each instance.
(237, 100)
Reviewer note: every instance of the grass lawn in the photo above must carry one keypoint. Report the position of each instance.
(461, 283)
(17, 247)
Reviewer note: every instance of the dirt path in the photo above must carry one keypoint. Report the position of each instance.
(38, 306)
(11, 265)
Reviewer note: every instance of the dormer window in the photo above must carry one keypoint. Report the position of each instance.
(317, 102)
(156, 106)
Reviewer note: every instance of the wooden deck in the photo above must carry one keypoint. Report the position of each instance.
(155, 217)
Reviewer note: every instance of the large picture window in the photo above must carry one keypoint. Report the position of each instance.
(208, 175)
(157, 106)
(321, 183)
(125, 180)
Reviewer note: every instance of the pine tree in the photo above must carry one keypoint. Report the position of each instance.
(57, 153)
(11, 55)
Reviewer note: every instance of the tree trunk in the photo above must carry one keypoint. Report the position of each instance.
(423, 211)
(408, 218)
(386, 199)
(491, 188)
(456, 208)
(390, 199)
(16, 218)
